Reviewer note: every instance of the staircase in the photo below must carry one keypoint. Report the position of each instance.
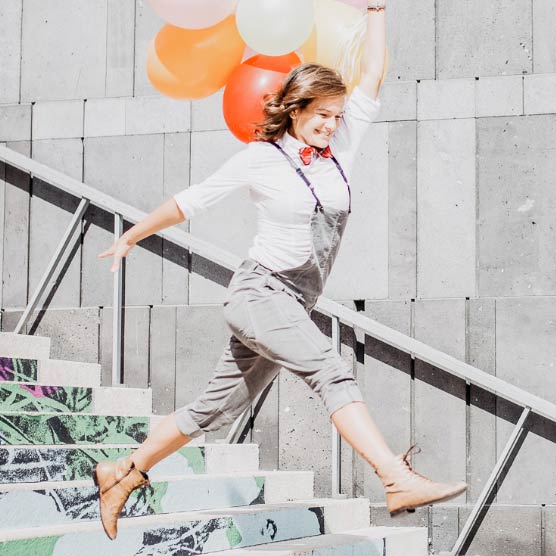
(56, 422)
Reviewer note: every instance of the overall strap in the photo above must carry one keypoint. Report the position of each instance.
(300, 173)
(342, 173)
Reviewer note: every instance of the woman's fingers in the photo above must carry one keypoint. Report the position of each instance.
(106, 253)
(116, 264)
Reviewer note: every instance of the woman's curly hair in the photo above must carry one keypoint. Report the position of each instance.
(303, 84)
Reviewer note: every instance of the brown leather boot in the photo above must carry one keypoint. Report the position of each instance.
(406, 489)
(115, 482)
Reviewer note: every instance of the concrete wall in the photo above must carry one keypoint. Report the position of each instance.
(452, 234)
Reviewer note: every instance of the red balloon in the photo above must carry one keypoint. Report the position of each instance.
(246, 88)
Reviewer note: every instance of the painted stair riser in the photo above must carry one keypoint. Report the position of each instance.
(20, 345)
(71, 429)
(23, 397)
(54, 504)
(15, 369)
(205, 535)
(34, 464)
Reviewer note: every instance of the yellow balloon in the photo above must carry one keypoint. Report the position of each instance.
(339, 29)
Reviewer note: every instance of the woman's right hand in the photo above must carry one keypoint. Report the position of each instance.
(121, 247)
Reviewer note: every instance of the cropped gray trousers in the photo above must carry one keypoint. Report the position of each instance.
(271, 329)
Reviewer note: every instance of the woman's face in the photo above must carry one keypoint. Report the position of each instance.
(316, 124)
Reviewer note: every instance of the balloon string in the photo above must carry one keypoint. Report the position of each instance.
(348, 60)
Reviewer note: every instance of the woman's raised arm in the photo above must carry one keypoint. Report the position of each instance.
(374, 49)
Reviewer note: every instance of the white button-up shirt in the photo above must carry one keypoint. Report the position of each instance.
(283, 201)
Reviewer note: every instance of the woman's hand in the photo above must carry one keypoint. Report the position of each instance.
(119, 249)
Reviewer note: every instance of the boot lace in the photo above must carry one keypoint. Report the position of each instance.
(414, 449)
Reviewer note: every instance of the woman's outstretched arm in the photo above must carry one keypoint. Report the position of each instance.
(374, 49)
(166, 215)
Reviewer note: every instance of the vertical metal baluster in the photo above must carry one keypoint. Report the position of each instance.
(336, 490)
(117, 311)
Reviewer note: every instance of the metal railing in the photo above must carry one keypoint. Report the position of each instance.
(339, 314)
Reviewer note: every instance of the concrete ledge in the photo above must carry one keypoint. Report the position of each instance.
(27, 347)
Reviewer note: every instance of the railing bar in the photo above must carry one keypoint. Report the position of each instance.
(117, 311)
(219, 256)
(53, 264)
(336, 486)
(494, 476)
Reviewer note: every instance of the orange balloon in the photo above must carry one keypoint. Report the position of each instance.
(194, 63)
(246, 88)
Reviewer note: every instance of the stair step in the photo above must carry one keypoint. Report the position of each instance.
(70, 463)
(372, 541)
(21, 397)
(49, 371)
(200, 532)
(32, 505)
(21, 345)
(67, 428)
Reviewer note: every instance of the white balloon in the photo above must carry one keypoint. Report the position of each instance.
(275, 27)
(193, 14)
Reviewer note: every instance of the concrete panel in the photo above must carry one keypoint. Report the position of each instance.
(104, 117)
(366, 235)
(10, 50)
(147, 25)
(201, 334)
(144, 115)
(230, 225)
(163, 358)
(266, 427)
(525, 357)
(544, 41)
(466, 31)
(380, 517)
(15, 122)
(402, 210)
(130, 169)
(136, 327)
(175, 264)
(74, 332)
(2, 221)
(549, 520)
(481, 341)
(120, 38)
(64, 50)
(386, 385)
(445, 528)
(411, 40)
(398, 100)
(507, 531)
(539, 94)
(446, 208)
(516, 222)
(304, 421)
(51, 213)
(207, 113)
(58, 120)
(499, 96)
(446, 99)
(16, 232)
(441, 324)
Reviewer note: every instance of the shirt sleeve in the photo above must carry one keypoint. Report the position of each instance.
(230, 177)
(359, 113)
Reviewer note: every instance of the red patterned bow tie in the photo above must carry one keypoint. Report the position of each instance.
(306, 154)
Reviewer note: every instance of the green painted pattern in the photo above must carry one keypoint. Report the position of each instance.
(154, 495)
(259, 481)
(26, 397)
(195, 456)
(18, 370)
(41, 546)
(233, 534)
(72, 429)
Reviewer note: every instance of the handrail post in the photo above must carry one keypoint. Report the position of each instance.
(117, 310)
(336, 457)
(52, 265)
(494, 476)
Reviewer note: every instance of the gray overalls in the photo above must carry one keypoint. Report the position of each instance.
(268, 313)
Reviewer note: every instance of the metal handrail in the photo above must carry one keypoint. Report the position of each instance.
(339, 313)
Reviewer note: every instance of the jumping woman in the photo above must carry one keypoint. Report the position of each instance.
(297, 173)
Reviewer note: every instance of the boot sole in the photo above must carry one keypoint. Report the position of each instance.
(411, 509)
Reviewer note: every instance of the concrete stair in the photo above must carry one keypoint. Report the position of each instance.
(56, 423)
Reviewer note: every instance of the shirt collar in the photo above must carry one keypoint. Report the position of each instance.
(291, 145)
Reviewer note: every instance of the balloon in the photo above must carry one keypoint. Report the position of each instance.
(246, 88)
(191, 64)
(193, 14)
(275, 27)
